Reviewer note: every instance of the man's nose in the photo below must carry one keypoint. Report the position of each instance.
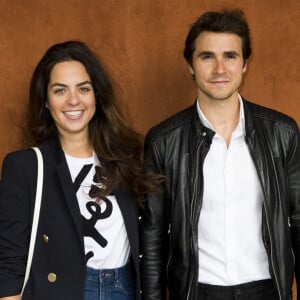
(219, 67)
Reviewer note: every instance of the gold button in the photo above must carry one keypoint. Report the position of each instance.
(51, 277)
(45, 238)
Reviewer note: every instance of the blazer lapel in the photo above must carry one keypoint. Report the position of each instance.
(54, 155)
(70, 196)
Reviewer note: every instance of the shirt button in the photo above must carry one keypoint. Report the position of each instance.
(46, 238)
(203, 133)
(52, 277)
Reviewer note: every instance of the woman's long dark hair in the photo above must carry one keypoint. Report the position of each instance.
(117, 146)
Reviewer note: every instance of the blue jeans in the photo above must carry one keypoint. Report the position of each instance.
(109, 284)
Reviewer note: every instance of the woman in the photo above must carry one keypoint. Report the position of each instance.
(87, 238)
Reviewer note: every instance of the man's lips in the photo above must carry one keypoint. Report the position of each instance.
(219, 82)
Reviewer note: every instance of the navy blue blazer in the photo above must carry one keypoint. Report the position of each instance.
(58, 267)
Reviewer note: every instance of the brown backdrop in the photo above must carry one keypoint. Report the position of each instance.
(141, 43)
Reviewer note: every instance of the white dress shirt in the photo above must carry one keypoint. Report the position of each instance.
(231, 250)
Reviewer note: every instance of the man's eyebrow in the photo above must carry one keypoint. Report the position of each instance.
(203, 53)
(232, 53)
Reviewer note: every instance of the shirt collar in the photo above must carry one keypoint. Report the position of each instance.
(240, 129)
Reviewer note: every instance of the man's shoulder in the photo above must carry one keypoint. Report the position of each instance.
(180, 120)
(263, 113)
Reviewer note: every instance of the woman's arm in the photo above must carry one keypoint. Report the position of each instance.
(16, 190)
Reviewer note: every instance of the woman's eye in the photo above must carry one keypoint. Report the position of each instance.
(85, 89)
(59, 91)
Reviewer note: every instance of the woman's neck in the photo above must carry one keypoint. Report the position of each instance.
(77, 147)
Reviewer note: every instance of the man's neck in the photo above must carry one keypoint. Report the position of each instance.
(223, 115)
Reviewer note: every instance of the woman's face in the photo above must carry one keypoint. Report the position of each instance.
(71, 99)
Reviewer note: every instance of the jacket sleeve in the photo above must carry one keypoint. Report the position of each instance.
(154, 233)
(294, 197)
(14, 222)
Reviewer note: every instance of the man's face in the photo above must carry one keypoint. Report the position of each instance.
(218, 65)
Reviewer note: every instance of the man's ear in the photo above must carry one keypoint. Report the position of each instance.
(245, 66)
(191, 70)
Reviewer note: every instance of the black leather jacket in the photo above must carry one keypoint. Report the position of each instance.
(177, 147)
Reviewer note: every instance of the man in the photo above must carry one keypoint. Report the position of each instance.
(226, 224)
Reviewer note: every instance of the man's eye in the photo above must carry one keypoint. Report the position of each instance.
(207, 56)
(231, 56)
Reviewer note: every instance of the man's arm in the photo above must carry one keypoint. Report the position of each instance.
(154, 235)
(294, 195)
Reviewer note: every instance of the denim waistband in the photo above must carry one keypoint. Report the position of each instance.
(109, 273)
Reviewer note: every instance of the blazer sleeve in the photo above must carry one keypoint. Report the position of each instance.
(18, 175)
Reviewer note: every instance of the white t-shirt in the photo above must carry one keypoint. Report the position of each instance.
(105, 237)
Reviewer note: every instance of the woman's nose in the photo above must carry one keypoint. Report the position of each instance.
(73, 98)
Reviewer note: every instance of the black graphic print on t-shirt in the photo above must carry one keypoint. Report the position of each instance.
(93, 208)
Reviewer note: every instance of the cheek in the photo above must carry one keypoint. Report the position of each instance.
(201, 75)
(238, 69)
(93, 104)
(53, 107)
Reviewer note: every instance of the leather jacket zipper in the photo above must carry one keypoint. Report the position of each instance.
(289, 224)
(193, 210)
(170, 256)
(267, 221)
(271, 247)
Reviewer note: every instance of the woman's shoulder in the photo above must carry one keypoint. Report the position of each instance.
(19, 158)
(18, 169)
(20, 154)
